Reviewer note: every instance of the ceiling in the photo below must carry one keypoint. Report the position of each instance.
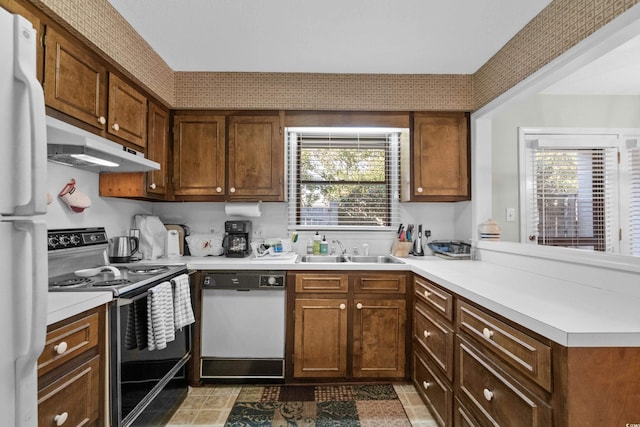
(328, 36)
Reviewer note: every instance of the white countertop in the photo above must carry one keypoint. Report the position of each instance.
(62, 305)
(569, 313)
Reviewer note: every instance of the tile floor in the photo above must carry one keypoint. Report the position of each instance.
(198, 408)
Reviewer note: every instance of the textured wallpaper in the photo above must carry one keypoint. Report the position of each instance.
(557, 28)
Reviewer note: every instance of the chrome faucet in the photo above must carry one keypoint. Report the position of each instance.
(344, 251)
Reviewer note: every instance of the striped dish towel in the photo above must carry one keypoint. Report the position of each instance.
(160, 326)
(182, 311)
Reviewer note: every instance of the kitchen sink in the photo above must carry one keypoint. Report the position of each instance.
(322, 258)
(380, 259)
(375, 259)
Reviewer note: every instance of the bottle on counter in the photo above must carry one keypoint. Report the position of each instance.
(316, 244)
(324, 246)
(310, 247)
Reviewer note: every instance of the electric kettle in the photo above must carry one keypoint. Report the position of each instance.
(122, 247)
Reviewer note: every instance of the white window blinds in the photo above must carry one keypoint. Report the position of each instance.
(343, 178)
(630, 196)
(572, 192)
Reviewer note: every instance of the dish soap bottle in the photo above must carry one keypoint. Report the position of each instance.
(316, 244)
(324, 246)
(310, 247)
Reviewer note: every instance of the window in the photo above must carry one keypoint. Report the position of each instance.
(343, 178)
(578, 194)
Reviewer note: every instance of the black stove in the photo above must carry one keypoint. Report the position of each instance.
(73, 250)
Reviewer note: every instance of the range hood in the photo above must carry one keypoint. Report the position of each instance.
(72, 146)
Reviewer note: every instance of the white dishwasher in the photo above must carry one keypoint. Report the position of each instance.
(243, 325)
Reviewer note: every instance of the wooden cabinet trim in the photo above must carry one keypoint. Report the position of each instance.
(379, 283)
(323, 283)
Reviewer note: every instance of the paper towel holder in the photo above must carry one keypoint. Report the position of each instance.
(243, 209)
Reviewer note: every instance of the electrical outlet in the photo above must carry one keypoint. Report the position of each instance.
(510, 214)
(258, 233)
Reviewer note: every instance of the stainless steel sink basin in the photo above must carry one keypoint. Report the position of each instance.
(332, 259)
(322, 258)
(380, 259)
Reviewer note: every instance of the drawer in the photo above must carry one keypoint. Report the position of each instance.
(380, 283)
(322, 283)
(439, 299)
(462, 417)
(434, 336)
(435, 391)
(524, 353)
(74, 397)
(68, 341)
(496, 398)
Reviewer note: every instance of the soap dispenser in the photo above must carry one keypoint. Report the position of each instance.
(324, 246)
(316, 244)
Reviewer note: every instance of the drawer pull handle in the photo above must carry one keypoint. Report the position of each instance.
(488, 333)
(488, 394)
(426, 334)
(359, 306)
(343, 306)
(102, 120)
(218, 189)
(60, 348)
(115, 127)
(426, 294)
(61, 418)
(425, 385)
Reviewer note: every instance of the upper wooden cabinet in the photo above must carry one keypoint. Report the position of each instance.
(74, 80)
(435, 167)
(127, 114)
(149, 185)
(199, 156)
(256, 158)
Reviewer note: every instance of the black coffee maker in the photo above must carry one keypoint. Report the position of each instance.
(237, 239)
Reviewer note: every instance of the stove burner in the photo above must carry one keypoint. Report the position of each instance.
(114, 282)
(76, 281)
(148, 270)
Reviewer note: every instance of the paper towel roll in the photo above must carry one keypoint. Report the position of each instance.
(253, 209)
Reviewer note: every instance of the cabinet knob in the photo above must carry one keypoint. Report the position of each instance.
(426, 294)
(219, 189)
(426, 334)
(425, 385)
(488, 394)
(419, 189)
(102, 120)
(153, 186)
(61, 418)
(115, 127)
(232, 190)
(488, 333)
(60, 348)
(532, 237)
(343, 306)
(359, 306)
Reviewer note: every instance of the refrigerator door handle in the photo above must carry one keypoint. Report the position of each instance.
(31, 292)
(32, 168)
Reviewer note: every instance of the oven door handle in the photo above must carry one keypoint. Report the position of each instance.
(126, 301)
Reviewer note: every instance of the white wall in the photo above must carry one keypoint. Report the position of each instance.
(114, 214)
(546, 111)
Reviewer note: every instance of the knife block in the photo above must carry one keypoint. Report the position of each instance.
(401, 249)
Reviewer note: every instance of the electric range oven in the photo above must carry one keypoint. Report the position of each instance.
(145, 387)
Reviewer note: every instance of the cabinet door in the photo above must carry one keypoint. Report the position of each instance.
(256, 158)
(379, 336)
(440, 157)
(320, 338)
(75, 82)
(435, 391)
(158, 149)
(199, 156)
(74, 397)
(127, 112)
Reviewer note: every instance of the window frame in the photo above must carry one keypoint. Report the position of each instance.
(392, 178)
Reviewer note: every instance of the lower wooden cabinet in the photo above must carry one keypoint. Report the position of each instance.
(72, 399)
(346, 335)
(435, 391)
(71, 386)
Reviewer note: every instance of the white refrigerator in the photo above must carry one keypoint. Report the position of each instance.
(23, 232)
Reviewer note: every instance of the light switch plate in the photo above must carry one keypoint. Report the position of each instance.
(510, 214)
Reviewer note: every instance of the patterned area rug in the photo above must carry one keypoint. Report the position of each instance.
(322, 406)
